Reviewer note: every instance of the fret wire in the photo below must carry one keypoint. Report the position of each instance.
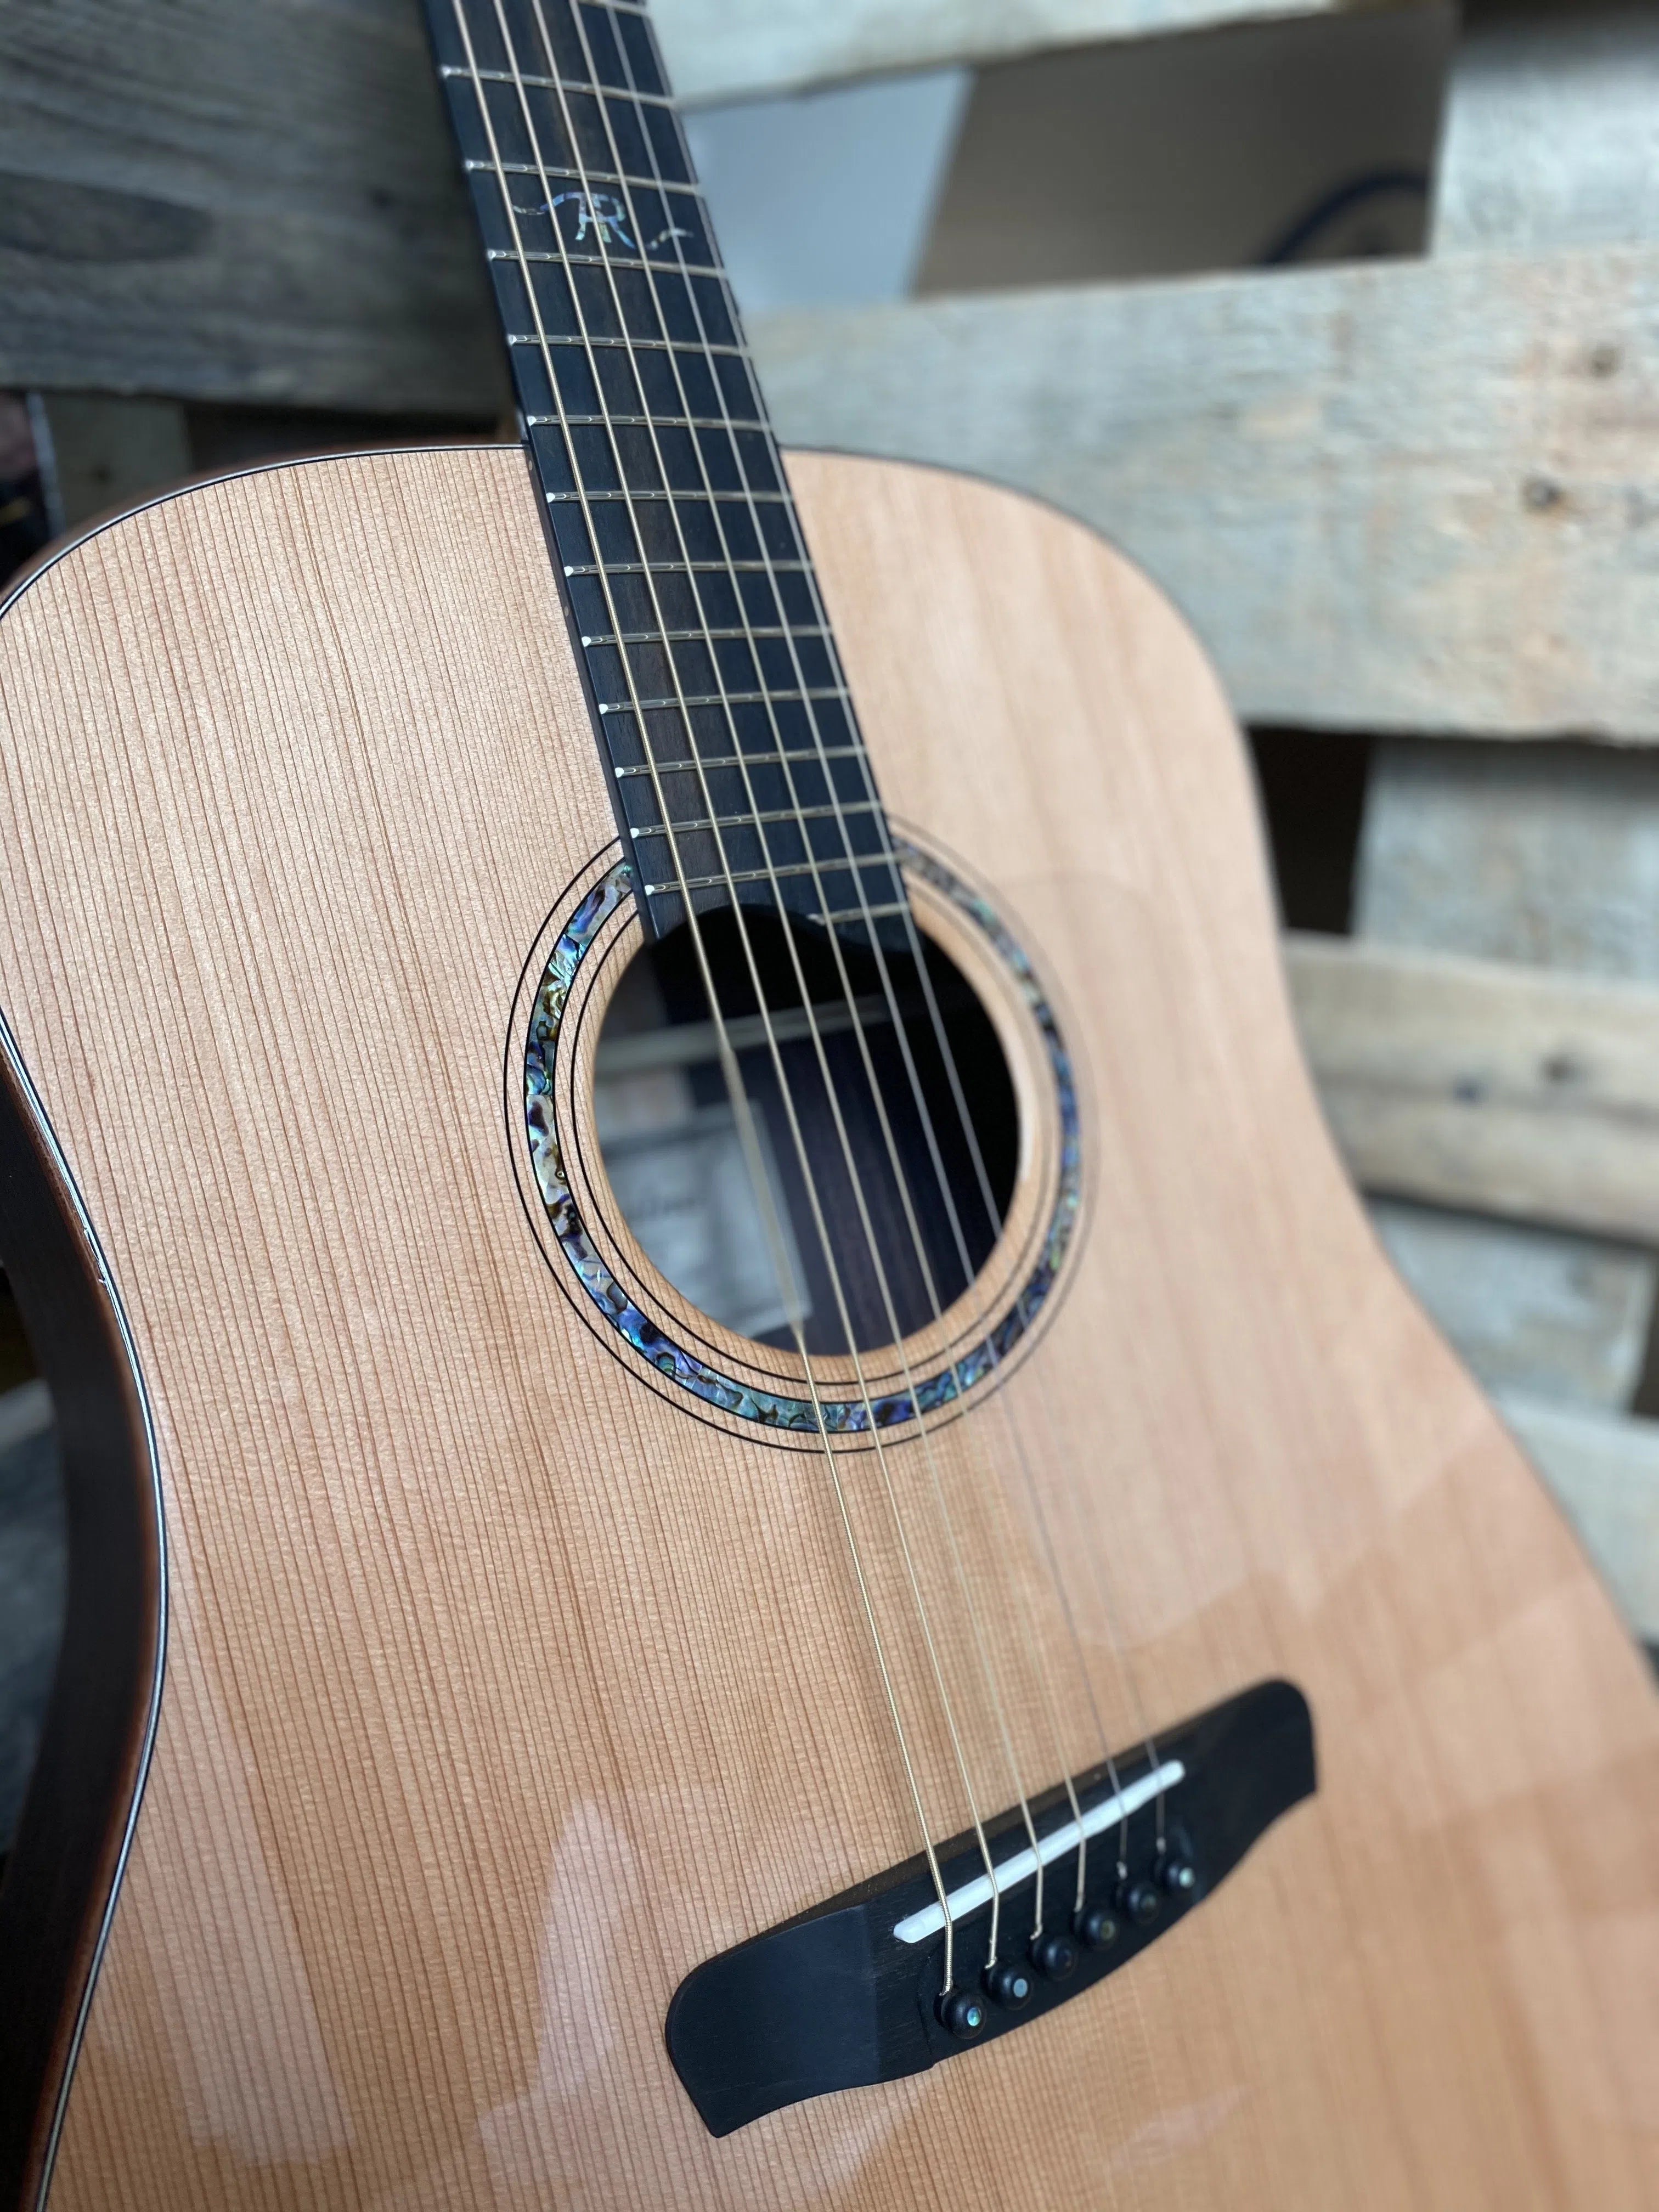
(590, 91)
(631, 493)
(686, 766)
(686, 636)
(815, 868)
(680, 569)
(714, 699)
(633, 345)
(640, 422)
(572, 259)
(567, 85)
(745, 821)
(584, 178)
(866, 913)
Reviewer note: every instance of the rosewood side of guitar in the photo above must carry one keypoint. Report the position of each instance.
(503, 1686)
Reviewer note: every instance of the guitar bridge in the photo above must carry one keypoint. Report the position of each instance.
(853, 1991)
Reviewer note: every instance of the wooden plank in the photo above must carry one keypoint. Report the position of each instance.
(1562, 1316)
(1419, 495)
(260, 204)
(720, 50)
(1168, 157)
(110, 453)
(1475, 1083)
(1545, 855)
(236, 203)
(1605, 1475)
(1548, 855)
(1553, 130)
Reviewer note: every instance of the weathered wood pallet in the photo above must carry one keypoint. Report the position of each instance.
(1352, 478)
(1513, 1090)
(238, 203)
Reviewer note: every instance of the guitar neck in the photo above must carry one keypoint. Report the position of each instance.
(722, 708)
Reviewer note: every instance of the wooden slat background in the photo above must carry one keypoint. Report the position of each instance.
(1413, 495)
(1554, 134)
(224, 199)
(1509, 1089)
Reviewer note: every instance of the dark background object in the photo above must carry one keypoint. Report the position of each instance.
(238, 204)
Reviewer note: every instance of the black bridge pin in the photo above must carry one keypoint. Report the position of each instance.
(1178, 1875)
(1054, 1955)
(1137, 1900)
(1010, 1984)
(1096, 1927)
(963, 2014)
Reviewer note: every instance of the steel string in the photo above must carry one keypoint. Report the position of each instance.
(987, 1671)
(923, 1112)
(754, 1161)
(784, 1087)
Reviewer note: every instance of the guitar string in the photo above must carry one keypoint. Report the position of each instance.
(785, 1088)
(754, 1162)
(753, 1157)
(918, 1097)
(971, 1610)
(596, 213)
(1120, 1653)
(901, 1179)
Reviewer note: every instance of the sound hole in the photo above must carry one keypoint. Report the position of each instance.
(877, 1192)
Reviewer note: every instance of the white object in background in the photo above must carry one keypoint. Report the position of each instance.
(679, 1175)
(825, 199)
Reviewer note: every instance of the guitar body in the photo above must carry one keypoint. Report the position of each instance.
(505, 1679)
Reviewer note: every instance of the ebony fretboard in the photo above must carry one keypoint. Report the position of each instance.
(721, 701)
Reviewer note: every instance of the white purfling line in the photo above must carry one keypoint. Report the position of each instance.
(1011, 1872)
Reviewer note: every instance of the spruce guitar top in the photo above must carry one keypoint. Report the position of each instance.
(752, 1522)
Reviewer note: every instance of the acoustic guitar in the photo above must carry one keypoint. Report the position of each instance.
(752, 1522)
